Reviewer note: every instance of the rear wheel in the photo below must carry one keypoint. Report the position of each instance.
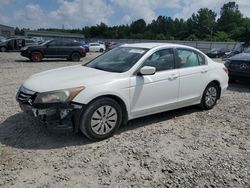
(210, 96)
(3, 49)
(36, 57)
(101, 119)
(75, 56)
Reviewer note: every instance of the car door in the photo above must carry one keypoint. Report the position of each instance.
(93, 47)
(155, 93)
(97, 47)
(193, 75)
(66, 48)
(54, 49)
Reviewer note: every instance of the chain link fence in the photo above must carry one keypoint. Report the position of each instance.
(201, 45)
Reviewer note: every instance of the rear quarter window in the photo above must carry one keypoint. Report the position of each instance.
(201, 59)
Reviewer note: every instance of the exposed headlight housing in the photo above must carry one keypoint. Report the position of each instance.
(59, 96)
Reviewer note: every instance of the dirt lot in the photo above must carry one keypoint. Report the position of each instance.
(181, 148)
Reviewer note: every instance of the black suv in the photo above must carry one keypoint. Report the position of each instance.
(239, 66)
(71, 50)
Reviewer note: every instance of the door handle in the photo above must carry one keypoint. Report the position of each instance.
(204, 70)
(173, 76)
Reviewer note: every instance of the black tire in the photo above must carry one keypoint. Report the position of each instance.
(75, 56)
(36, 56)
(90, 124)
(210, 96)
(3, 49)
(101, 50)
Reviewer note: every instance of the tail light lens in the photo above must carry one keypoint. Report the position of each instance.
(225, 69)
(82, 50)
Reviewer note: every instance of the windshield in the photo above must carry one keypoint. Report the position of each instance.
(2, 39)
(247, 50)
(237, 47)
(120, 59)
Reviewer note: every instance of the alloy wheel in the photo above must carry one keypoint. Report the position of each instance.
(36, 57)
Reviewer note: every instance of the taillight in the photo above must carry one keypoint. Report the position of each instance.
(225, 69)
(82, 50)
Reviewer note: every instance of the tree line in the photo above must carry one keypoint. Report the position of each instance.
(202, 25)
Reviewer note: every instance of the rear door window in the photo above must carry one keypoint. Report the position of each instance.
(189, 58)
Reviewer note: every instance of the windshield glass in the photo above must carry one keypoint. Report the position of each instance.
(247, 50)
(120, 59)
(237, 47)
(2, 39)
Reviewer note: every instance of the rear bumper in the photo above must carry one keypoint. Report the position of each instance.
(83, 54)
(239, 75)
(223, 89)
(56, 119)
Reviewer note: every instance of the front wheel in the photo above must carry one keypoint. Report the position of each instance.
(101, 50)
(210, 96)
(36, 57)
(101, 119)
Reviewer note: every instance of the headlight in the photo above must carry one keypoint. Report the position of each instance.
(58, 96)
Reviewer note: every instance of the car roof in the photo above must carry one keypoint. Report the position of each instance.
(151, 45)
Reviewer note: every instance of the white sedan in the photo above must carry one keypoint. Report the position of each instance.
(97, 47)
(128, 82)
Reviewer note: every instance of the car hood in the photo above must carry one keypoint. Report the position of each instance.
(68, 77)
(240, 57)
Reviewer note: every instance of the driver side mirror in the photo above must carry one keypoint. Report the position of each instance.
(147, 70)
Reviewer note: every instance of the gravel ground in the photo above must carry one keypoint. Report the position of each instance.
(180, 148)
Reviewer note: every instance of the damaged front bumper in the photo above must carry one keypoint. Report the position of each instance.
(57, 118)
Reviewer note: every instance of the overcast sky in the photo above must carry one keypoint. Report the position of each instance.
(80, 13)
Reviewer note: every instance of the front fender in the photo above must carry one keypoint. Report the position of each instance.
(89, 94)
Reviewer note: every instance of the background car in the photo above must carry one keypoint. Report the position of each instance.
(238, 48)
(239, 66)
(112, 45)
(68, 49)
(96, 47)
(217, 52)
(85, 45)
(15, 44)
